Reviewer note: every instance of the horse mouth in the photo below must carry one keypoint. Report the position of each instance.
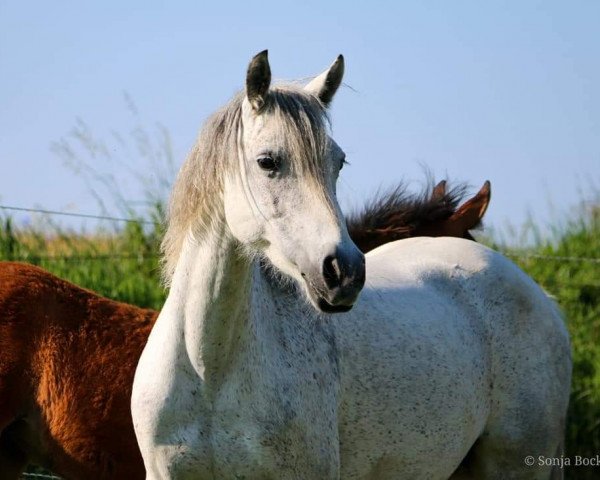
(324, 302)
(327, 307)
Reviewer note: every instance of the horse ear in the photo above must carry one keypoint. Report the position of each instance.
(258, 80)
(325, 85)
(439, 191)
(470, 213)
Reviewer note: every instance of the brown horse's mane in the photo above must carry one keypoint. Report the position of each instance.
(396, 213)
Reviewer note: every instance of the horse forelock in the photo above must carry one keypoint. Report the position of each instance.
(196, 199)
(304, 127)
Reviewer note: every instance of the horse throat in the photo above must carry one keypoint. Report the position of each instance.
(211, 293)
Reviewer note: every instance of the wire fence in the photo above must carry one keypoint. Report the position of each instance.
(78, 215)
(40, 476)
(78, 258)
(552, 258)
(139, 257)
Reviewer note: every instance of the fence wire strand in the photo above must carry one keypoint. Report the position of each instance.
(555, 258)
(78, 258)
(41, 476)
(79, 215)
(524, 256)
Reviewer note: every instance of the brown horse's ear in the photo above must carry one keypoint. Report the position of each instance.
(258, 80)
(438, 191)
(470, 213)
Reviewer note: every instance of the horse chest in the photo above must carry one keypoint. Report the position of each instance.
(280, 424)
(276, 421)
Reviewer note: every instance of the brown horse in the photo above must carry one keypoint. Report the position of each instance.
(68, 355)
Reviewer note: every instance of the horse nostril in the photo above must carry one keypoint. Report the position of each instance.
(331, 271)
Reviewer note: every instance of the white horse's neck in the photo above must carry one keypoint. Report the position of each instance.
(210, 298)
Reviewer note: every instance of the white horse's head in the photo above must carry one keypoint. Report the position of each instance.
(266, 167)
(283, 203)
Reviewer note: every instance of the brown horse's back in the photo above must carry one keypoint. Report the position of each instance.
(67, 360)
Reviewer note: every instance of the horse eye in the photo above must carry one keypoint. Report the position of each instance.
(343, 162)
(268, 163)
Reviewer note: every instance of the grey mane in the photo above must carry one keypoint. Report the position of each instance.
(195, 203)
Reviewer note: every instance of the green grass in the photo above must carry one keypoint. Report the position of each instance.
(123, 264)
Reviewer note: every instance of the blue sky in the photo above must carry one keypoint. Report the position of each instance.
(507, 91)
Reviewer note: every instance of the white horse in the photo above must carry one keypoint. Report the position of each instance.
(452, 363)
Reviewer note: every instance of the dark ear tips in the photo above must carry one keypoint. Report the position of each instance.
(470, 213)
(258, 80)
(484, 195)
(333, 80)
(486, 189)
(325, 85)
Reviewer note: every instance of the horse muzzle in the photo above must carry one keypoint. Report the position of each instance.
(338, 284)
